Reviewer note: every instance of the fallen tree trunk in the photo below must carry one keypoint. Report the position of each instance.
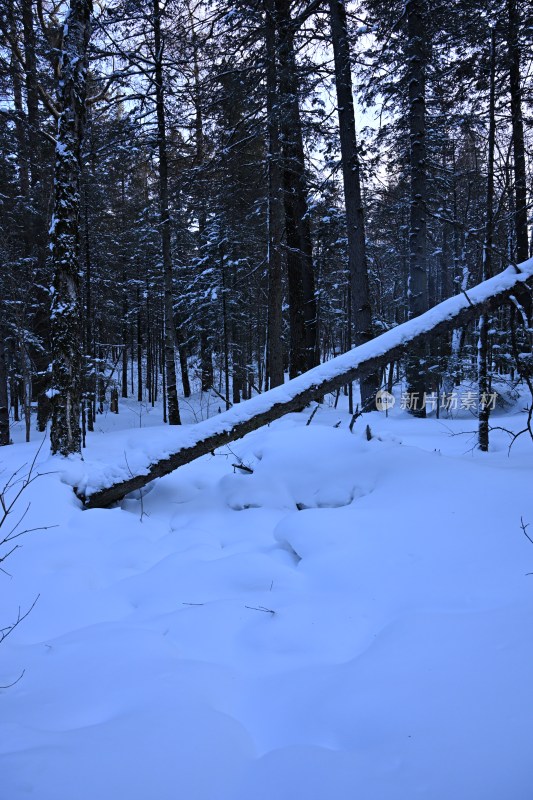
(197, 440)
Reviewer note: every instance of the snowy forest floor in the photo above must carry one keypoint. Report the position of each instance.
(352, 620)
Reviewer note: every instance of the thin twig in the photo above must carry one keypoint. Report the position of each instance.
(525, 526)
(9, 685)
(354, 417)
(4, 632)
(467, 297)
(313, 414)
(261, 608)
(244, 468)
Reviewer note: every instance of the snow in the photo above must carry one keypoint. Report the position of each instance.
(351, 620)
(137, 454)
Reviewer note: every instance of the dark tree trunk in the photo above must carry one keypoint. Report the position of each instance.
(66, 333)
(164, 218)
(125, 309)
(4, 394)
(225, 329)
(125, 339)
(149, 362)
(418, 278)
(101, 378)
(302, 300)
(484, 381)
(360, 308)
(275, 208)
(518, 133)
(139, 354)
(206, 352)
(206, 359)
(32, 95)
(89, 367)
(236, 371)
(164, 378)
(20, 131)
(184, 367)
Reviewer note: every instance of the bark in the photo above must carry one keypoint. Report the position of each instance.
(275, 208)
(164, 224)
(269, 406)
(101, 378)
(206, 351)
(66, 333)
(484, 382)
(125, 340)
(236, 371)
(20, 132)
(418, 280)
(206, 359)
(301, 282)
(518, 133)
(26, 388)
(184, 367)
(164, 378)
(89, 399)
(360, 307)
(139, 354)
(225, 329)
(125, 309)
(32, 93)
(4, 395)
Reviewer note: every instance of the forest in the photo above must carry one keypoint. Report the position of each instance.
(191, 199)
(266, 399)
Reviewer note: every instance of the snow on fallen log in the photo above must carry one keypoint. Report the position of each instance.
(100, 484)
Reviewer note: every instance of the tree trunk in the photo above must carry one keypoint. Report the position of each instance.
(360, 308)
(20, 128)
(4, 395)
(139, 352)
(32, 94)
(164, 226)
(206, 350)
(518, 133)
(275, 208)
(26, 388)
(302, 301)
(125, 339)
(66, 334)
(484, 381)
(164, 378)
(225, 329)
(418, 279)
(184, 367)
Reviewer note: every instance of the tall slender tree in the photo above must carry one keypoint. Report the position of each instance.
(66, 333)
(517, 123)
(416, 52)
(361, 311)
(4, 394)
(275, 218)
(484, 381)
(164, 223)
(299, 247)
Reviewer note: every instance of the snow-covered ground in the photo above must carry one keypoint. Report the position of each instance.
(351, 620)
